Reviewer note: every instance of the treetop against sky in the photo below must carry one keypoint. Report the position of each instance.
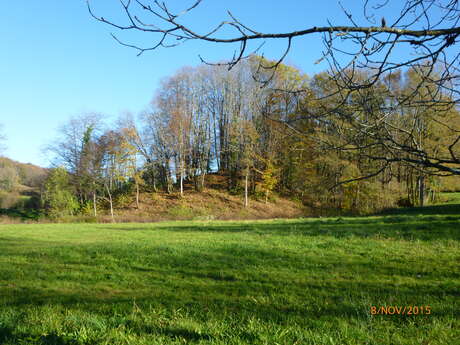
(57, 61)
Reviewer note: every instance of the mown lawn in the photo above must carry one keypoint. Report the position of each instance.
(305, 281)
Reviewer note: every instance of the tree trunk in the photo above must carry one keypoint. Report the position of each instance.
(202, 180)
(421, 193)
(154, 182)
(94, 204)
(111, 204)
(216, 150)
(246, 203)
(137, 194)
(181, 180)
(168, 179)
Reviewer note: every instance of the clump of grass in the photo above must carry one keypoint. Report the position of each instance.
(181, 212)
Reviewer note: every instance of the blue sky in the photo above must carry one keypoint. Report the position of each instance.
(57, 62)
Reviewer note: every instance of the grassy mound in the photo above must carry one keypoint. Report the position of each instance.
(207, 205)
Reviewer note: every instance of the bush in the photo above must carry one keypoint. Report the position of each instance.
(123, 200)
(58, 198)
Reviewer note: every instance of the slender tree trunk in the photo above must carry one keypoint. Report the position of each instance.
(154, 180)
(168, 178)
(202, 180)
(246, 203)
(181, 180)
(111, 204)
(94, 204)
(216, 150)
(421, 185)
(137, 194)
(411, 190)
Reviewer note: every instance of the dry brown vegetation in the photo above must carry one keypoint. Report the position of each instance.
(215, 202)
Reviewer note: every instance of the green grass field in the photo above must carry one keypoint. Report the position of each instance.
(305, 281)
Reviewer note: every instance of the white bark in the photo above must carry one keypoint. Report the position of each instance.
(111, 203)
(94, 204)
(246, 203)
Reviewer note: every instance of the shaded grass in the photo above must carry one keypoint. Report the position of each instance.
(450, 206)
(304, 281)
(21, 213)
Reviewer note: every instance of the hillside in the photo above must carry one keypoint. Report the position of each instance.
(214, 202)
(209, 204)
(18, 182)
(13, 173)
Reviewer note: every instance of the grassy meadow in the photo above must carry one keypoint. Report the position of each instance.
(303, 281)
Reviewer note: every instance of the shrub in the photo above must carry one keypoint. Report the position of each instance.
(58, 198)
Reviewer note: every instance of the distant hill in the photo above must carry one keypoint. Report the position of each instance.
(19, 180)
(28, 174)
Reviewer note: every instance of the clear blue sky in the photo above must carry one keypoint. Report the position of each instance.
(56, 61)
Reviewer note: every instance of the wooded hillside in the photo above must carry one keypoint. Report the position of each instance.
(352, 151)
(19, 182)
(299, 137)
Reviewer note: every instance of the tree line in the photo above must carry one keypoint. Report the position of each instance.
(349, 150)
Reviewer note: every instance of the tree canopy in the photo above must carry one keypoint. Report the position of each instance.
(363, 58)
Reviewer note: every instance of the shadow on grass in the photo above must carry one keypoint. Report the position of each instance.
(329, 281)
(447, 209)
(235, 280)
(9, 336)
(224, 281)
(341, 300)
(174, 332)
(396, 227)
